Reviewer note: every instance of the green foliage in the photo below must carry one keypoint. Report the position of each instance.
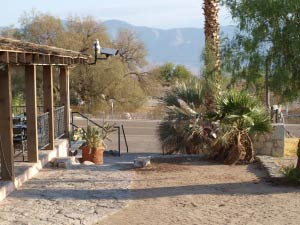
(40, 28)
(133, 51)
(190, 92)
(94, 86)
(98, 84)
(166, 71)
(243, 111)
(181, 130)
(170, 73)
(268, 44)
(212, 79)
(95, 136)
(185, 128)
(240, 116)
(291, 174)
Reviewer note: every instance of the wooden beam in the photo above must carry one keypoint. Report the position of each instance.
(48, 101)
(42, 59)
(56, 60)
(4, 57)
(35, 58)
(47, 59)
(65, 97)
(31, 113)
(21, 58)
(13, 57)
(29, 58)
(61, 60)
(6, 126)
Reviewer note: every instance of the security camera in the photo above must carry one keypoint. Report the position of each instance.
(97, 46)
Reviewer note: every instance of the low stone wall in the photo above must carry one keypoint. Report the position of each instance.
(271, 144)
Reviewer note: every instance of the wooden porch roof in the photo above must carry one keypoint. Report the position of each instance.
(20, 52)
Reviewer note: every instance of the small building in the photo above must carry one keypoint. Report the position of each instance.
(14, 53)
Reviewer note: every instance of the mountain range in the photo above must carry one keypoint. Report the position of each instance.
(179, 46)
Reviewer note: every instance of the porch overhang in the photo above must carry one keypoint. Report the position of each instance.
(24, 53)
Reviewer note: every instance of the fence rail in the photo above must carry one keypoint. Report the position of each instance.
(43, 130)
(91, 122)
(43, 123)
(59, 121)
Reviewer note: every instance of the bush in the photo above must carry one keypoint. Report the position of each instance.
(291, 174)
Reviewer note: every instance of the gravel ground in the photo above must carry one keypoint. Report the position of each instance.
(79, 195)
(202, 192)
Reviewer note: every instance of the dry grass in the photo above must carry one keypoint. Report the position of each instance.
(290, 146)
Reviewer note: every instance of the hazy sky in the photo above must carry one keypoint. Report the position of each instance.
(153, 13)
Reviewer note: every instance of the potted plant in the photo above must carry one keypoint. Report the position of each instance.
(95, 137)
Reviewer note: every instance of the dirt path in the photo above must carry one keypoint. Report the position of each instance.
(206, 193)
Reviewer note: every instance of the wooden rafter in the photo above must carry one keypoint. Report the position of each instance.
(25, 53)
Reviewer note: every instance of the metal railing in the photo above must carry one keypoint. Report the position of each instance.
(43, 123)
(89, 121)
(59, 122)
(43, 130)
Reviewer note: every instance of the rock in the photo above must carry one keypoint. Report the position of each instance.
(65, 162)
(141, 162)
(128, 116)
(88, 163)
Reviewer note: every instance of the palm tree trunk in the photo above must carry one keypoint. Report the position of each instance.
(211, 29)
(212, 52)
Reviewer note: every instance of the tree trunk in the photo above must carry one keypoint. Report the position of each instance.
(212, 52)
(211, 29)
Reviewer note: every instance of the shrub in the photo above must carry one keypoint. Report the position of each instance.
(291, 174)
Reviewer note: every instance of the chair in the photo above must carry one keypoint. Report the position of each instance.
(20, 140)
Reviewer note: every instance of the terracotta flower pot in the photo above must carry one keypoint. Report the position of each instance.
(97, 155)
(86, 156)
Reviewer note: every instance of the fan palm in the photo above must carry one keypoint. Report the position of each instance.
(181, 131)
(241, 116)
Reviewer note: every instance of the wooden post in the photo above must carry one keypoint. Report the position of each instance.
(6, 126)
(31, 113)
(65, 97)
(48, 101)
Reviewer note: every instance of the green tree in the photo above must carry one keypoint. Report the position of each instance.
(170, 73)
(93, 85)
(267, 45)
(40, 28)
(97, 85)
(166, 71)
(81, 32)
(132, 50)
(182, 73)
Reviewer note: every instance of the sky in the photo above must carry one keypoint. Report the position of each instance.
(164, 14)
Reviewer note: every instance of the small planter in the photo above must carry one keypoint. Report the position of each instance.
(86, 156)
(97, 155)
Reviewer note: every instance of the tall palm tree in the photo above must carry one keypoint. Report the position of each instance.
(212, 52)
(211, 29)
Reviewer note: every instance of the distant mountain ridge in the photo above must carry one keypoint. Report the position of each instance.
(178, 45)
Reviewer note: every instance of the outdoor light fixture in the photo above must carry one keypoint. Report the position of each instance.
(107, 52)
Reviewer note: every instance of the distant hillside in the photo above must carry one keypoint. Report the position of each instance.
(179, 46)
